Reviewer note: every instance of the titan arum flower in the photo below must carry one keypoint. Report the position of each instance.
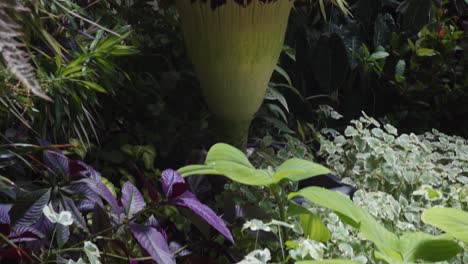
(234, 46)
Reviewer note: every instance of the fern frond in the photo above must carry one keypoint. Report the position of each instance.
(10, 47)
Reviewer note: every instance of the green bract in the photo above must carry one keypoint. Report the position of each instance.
(234, 49)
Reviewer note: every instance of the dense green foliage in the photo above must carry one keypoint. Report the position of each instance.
(83, 176)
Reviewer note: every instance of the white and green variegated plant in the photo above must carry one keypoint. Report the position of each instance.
(398, 176)
(380, 243)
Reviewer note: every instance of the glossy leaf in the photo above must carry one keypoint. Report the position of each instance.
(314, 228)
(298, 169)
(57, 162)
(453, 221)
(353, 215)
(132, 200)
(173, 184)
(177, 191)
(105, 193)
(62, 235)
(223, 159)
(421, 246)
(78, 218)
(327, 261)
(189, 200)
(153, 242)
(34, 211)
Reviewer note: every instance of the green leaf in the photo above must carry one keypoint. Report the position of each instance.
(93, 86)
(424, 52)
(332, 200)
(232, 163)
(353, 215)
(327, 261)
(421, 246)
(379, 55)
(298, 169)
(296, 209)
(400, 69)
(283, 73)
(223, 159)
(314, 228)
(225, 152)
(450, 220)
(197, 169)
(273, 94)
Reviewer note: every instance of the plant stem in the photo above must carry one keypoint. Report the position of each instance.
(231, 132)
(276, 190)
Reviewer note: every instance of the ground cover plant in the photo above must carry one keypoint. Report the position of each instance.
(220, 132)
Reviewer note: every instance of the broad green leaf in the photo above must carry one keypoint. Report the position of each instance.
(298, 169)
(332, 200)
(296, 209)
(421, 246)
(379, 55)
(353, 215)
(223, 159)
(450, 220)
(197, 169)
(327, 261)
(225, 152)
(424, 52)
(242, 174)
(314, 228)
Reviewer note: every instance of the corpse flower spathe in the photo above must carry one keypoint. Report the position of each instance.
(234, 47)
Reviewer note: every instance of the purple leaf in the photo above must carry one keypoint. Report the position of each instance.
(173, 184)
(43, 225)
(101, 189)
(57, 162)
(82, 189)
(153, 242)
(189, 200)
(78, 218)
(132, 200)
(176, 190)
(34, 211)
(25, 234)
(86, 205)
(62, 234)
(152, 221)
(176, 246)
(4, 217)
(81, 169)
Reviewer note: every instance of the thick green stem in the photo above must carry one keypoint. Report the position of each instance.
(234, 133)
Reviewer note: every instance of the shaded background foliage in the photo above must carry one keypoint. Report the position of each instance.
(136, 107)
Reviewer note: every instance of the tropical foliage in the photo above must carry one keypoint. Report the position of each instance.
(357, 154)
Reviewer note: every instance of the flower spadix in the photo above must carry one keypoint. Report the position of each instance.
(234, 46)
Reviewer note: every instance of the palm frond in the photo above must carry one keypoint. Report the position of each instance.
(10, 47)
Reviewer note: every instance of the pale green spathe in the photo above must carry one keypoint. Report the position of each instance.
(234, 50)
